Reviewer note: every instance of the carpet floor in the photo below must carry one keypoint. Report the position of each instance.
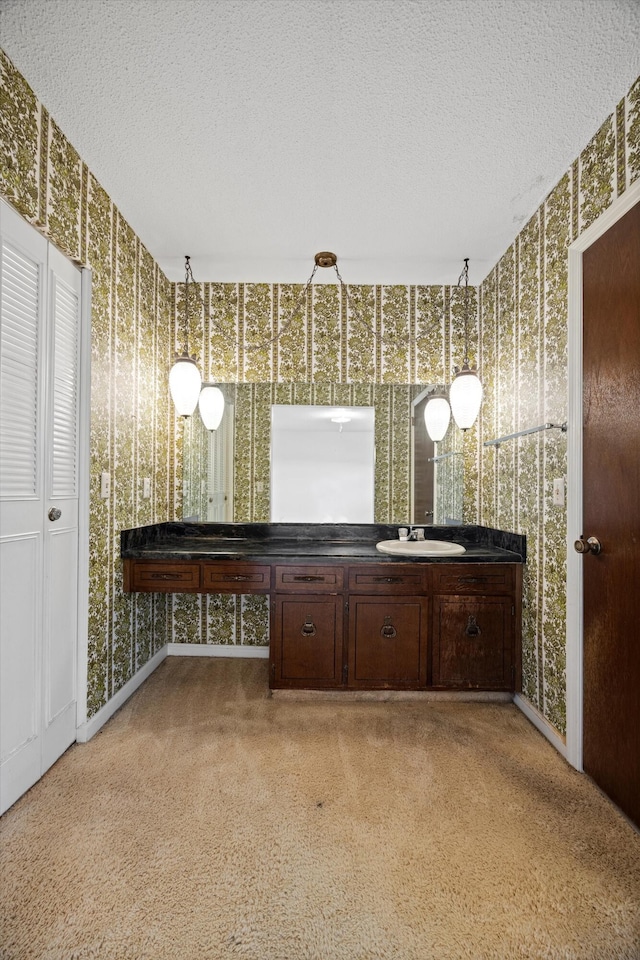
(209, 821)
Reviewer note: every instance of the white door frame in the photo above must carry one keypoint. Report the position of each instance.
(574, 679)
(84, 474)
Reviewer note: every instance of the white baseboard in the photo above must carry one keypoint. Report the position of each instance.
(541, 723)
(89, 729)
(215, 650)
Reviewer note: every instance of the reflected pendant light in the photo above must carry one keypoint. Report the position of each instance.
(184, 377)
(211, 406)
(437, 414)
(465, 393)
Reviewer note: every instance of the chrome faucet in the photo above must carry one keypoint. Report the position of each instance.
(415, 532)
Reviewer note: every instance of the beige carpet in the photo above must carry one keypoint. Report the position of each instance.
(208, 820)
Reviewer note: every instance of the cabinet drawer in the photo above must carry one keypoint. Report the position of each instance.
(387, 578)
(158, 576)
(307, 579)
(235, 578)
(467, 578)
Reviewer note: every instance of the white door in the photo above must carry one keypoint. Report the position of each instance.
(39, 380)
(220, 469)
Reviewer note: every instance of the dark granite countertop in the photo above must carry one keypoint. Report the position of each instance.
(310, 543)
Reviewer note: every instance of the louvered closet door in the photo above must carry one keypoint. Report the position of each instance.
(39, 330)
(60, 587)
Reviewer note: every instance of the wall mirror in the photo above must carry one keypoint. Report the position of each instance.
(322, 463)
(227, 473)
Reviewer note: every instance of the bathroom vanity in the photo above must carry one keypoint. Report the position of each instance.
(346, 616)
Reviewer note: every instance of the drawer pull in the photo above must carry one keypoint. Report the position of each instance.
(308, 627)
(462, 580)
(240, 576)
(388, 630)
(387, 579)
(473, 630)
(309, 579)
(166, 576)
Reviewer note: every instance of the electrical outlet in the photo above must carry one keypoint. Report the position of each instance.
(259, 486)
(558, 492)
(146, 488)
(105, 485)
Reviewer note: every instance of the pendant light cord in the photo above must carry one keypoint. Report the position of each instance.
(464, 276)
(188, 277)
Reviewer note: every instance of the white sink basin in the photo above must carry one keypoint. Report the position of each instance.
(420, 548)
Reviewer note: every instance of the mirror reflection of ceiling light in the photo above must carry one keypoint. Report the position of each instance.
(340, 419)
(437, 414)
(211, 405)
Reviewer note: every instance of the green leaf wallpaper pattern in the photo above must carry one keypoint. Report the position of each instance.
(520, 339)
(20, 118)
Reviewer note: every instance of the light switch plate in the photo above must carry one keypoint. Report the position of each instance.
(558, 492)
(146, 488)
(105, 485)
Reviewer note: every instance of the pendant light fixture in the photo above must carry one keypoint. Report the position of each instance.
(211, 406)
(184, 377)
(465, 393)
(437, 415)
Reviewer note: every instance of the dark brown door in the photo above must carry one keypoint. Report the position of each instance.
(611, 490)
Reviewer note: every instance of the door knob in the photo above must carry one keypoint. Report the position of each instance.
(54, 513)
(590, 545)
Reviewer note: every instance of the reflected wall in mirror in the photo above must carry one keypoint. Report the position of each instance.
(437, 469)
(248, 410)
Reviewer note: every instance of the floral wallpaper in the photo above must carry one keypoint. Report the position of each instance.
(349, 338)
(132, 427)
(523, 357)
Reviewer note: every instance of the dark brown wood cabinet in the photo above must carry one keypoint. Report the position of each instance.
(387, 642)
(307, 626)
(236, 577)
(472, 643)
(476, 627)
(403, 626)
(306, 641)
(161, 576)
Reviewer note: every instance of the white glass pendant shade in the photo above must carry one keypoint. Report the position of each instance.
(184, 383)
(211, 404)
(437, 414)
(465, 397)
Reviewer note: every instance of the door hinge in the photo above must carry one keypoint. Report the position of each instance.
(345, 671)
(346, 606)
(513, 609)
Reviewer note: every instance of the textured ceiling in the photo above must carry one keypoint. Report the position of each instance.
(402, 134)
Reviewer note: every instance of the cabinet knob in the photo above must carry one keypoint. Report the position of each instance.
(308, 627)
(473, 630)
(388, 630)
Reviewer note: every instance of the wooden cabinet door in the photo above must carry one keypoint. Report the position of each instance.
(306, 641)
(387, 642)
(473, 642)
